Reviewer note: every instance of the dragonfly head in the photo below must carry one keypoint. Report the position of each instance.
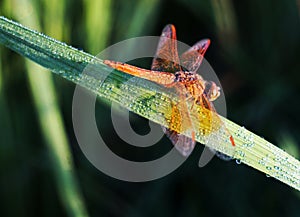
(212, 90)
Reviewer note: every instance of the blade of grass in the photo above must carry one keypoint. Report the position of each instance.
(1, 72)
(50, 119)
(70, 62)
(225, 22)
(136, 14)
(98, 21)
(143, 12)
(53, 18)
(5, 124)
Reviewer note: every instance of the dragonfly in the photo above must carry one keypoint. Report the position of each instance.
(181, 73)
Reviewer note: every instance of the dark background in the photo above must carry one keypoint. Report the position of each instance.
(254, 51)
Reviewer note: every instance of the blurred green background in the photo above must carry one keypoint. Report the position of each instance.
(255, 50)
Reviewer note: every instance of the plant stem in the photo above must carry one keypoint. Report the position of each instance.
(70, 63)
(43, 91)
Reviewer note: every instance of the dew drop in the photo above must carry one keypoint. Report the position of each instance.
(276, 167)
(238, 161)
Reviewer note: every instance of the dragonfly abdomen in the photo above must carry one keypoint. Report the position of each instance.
(164, 78)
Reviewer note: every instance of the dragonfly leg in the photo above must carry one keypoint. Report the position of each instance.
(194, 102)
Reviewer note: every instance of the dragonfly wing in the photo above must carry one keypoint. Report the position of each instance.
(181, 125)
(192, 58)
(166, 57)
(223, 156)
(214, 130)
(185, 145)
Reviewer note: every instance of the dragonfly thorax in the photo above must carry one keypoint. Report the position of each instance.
(188, 78)
(193, 83)
(196, 85)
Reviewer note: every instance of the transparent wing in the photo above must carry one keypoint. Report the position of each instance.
(180, 124)
(185, 145)
(166, 57)
(213, 129)
(192, 58)
(223, 156)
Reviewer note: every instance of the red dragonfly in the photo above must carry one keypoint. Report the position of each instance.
(170, 71)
